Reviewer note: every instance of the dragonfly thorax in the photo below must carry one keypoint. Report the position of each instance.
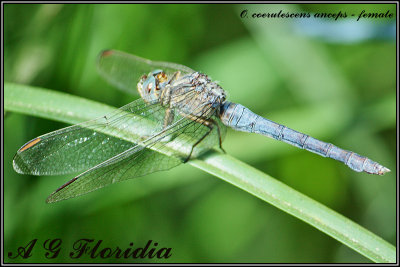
(196, 95)
(192, 94)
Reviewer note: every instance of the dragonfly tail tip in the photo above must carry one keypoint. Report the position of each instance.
(383, 170)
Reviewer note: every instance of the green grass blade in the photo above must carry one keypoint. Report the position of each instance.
(71, 109)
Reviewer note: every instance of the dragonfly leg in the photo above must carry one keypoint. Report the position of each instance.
(219, 134)
(210, 124)
(169, 117)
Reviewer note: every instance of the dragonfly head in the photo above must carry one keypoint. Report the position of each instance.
(149, 86)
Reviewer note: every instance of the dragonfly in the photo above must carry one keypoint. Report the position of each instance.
(180, 114)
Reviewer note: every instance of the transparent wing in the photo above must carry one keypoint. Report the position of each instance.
(124, 70)
(181, 135)
(82, 146)
(137, 162)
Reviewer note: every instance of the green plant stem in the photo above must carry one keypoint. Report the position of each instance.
(71, 109)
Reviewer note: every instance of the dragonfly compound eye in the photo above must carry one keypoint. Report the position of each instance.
(148, 88)
(161, 77)
(140, 84)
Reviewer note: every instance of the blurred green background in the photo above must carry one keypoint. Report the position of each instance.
(343, 92)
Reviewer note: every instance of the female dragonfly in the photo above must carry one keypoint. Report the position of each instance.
(181, 113)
